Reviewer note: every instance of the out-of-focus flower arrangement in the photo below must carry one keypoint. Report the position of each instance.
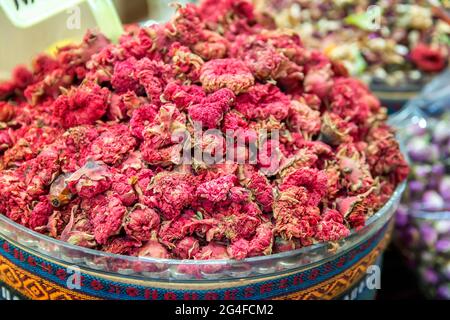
(91, 155)
(423, 220)
(385, 42)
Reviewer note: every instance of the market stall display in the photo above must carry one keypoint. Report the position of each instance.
(423, 219)
(93, 155)
(396, 46)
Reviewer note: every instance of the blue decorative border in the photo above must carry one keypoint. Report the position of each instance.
(97, 286)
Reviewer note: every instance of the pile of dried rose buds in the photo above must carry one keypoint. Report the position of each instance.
(390, 42)
(92, 155)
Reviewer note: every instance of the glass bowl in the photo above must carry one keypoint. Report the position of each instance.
(423, 219)
(195, 270)
(423, 238)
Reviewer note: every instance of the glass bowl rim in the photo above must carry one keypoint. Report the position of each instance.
(429, 214)
(395, 197)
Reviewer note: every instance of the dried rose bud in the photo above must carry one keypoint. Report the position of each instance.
(40, 214)
(187, 248)
(334, 130)
(60, 194)
(90, 180)
(226, 73)
(239, 249)
(7, 112)
(107, 217)
(172, 192)
(140, 222)
(154, 249)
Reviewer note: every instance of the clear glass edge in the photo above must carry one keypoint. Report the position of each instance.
(380, 217)
(429, 215)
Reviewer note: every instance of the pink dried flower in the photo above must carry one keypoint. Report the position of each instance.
(22, 77)
(162, 146)
(154, 249)
(351, 100)
(226, 73)
(123, 105)
(303, 119)
(214, 46)
(40, 172)
(318, 80)
(262, 242)
(331, 228)
(187, 248)
(212, 251)
(263, 59)
(313, 180)
(124, 78)
(209, 112)
(113, 144)
(84, 105)
(183, 96)
(260, 188)
(40, 214)
(107, 216)
(141, 119)
(384, 156)
(186, 65)
(289, 225)
(122, 186)
(239, 249)
(172, 192)
(335, 130)
(263, 101)
(122, 245)
(140, 222)
(216, 190)
(176, 229)
(153, 76)
(187, 25)
(92, 179)
(7, 112)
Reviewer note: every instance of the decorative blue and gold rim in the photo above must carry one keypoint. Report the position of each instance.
(33, 276)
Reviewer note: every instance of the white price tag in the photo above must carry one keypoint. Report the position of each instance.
(25, 13)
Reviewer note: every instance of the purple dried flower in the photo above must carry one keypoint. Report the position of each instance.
(443, 292)
(402, 217)
(429, 234)
(446, 270)
(438, 169)
(430, 276)
(422, 171)
(441, 132)
(444, 188)
(443, 246)
(416, 186)
(410, 236)
(416, 205)
(433, 201)
(443, 227)
(446, 150)
(418, 149)
(416, 130)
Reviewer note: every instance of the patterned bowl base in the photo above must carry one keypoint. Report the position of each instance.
(29, 275)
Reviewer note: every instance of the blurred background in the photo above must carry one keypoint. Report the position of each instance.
(399, 48)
